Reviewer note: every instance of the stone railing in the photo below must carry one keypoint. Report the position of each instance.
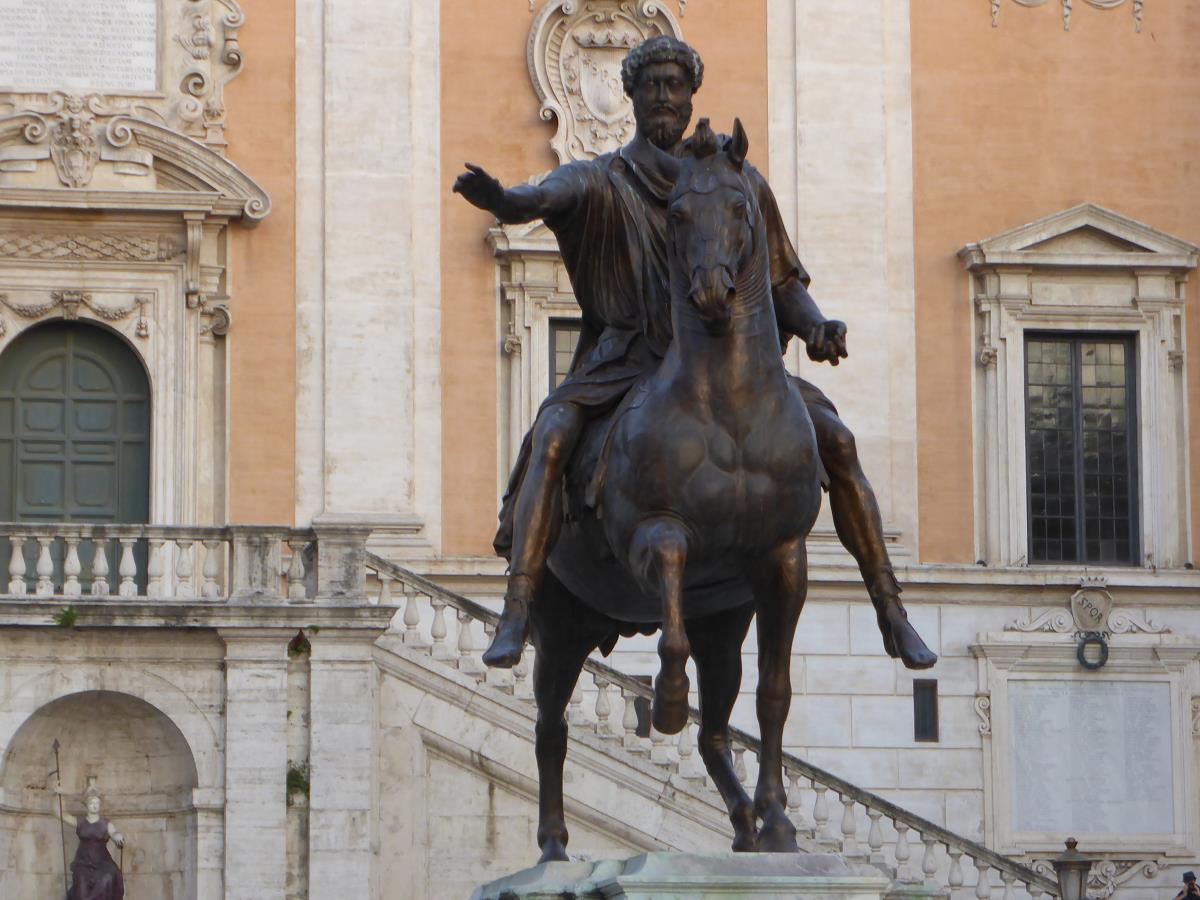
(180, 563)
(913, 849)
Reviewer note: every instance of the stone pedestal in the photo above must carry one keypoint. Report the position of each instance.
(687, 876)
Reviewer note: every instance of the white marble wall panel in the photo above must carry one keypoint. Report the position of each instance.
(840, 164)
(368, 268)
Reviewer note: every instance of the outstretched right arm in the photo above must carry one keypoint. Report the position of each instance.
(522, 203)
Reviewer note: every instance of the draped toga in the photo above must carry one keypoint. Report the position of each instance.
(612, 234)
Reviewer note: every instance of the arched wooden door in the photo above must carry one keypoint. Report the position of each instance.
(74, 428)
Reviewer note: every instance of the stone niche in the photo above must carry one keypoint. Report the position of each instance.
(145, 772)
(116, 201)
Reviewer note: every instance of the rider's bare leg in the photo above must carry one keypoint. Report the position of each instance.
(536, 521)
(860, 529)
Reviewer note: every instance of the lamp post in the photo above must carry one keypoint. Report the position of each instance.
(1071, 868)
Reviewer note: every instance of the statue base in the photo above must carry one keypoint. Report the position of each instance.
(694, 876)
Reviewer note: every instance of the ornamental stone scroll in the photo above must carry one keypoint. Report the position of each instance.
(574, 54)
(1068, 8)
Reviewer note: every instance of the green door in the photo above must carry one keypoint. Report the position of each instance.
(74, 430)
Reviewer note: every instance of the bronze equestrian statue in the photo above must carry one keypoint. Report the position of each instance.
(609, 216)
(700, 572)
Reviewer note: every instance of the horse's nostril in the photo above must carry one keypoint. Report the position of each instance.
(730, 296)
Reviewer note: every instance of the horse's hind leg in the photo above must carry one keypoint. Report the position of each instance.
(717, 648)
(563, 635)
(780, 584)
(657, 554)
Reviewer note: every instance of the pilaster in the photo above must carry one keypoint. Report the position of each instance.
(342, 814)
(256, 762)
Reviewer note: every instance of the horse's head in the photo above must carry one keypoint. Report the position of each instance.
(711, 215)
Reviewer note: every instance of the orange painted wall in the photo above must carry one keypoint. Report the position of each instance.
(489, 117)
(261, 106)
(1016, 122)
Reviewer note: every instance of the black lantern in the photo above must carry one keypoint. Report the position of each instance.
(1072, 867)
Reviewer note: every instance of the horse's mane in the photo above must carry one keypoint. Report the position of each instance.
(704, 142)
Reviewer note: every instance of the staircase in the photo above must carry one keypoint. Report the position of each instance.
(666, 800)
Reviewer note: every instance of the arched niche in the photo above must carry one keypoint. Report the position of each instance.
(146, 775)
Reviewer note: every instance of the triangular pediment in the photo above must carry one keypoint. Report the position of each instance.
(1083, 236)
(526, 238)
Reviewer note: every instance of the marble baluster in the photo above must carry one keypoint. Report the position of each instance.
(127, 569)
(16, 565)
(212, 569)
(155, 569)
(45, 568)
(297, 592)
(72, 568)
(184, 589)
(100, 569)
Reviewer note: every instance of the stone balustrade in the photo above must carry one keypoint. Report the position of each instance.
(829, 812)
(180, 563)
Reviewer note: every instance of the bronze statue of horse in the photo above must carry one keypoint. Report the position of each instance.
(704, 488)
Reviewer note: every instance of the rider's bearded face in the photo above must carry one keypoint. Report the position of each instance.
(662, 103)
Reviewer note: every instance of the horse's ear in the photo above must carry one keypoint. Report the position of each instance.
(739, 144)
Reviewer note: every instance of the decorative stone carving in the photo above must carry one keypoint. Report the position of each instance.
(1107, 875)
(1196, 717)
(1054, 620)
(1059, 621)
(199, 42)
(73, 146)
(78, 245)
(1090, 606)
(1091, 611)
(70, 301)
(575, 51)
(1068, 7)
(983, 709)
(192, 68)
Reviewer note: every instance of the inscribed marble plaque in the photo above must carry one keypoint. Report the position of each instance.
(79, 45)
(1091, 757)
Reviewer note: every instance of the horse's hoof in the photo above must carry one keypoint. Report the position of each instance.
(745, 843)
(669, 717)
(778, 839)
(554, 850)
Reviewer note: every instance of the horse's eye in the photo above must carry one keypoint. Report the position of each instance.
(677, 215)
(739, 208)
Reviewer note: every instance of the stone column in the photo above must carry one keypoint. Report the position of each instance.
(256, 762)
(343, 711)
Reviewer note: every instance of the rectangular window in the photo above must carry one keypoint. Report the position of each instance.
(925, 710)
(1082, 467)
(564, 335)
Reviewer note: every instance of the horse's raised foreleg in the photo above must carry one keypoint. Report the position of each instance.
(563, 636)
(780, 584)
(717, 648)
(657, 554)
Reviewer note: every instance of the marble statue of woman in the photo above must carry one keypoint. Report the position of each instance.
(94, 875)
